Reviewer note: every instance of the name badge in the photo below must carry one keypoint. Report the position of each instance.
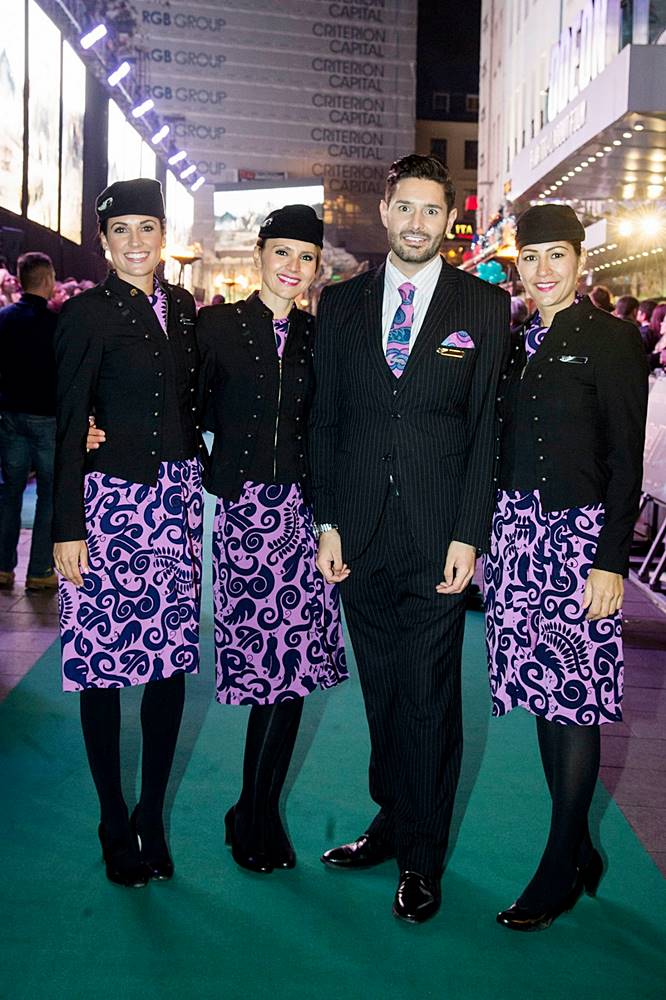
(570, 359)
(451, 352)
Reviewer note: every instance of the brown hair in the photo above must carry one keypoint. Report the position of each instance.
(31, 268)
(425, 168)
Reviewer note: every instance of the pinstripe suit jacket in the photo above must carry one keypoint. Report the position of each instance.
(433, 432)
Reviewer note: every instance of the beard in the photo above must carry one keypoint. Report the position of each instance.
(414, 255)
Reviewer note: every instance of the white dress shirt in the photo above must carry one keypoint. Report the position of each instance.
(424, 282)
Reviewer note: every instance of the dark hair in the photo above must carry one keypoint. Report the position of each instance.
(31, 268)
(519, 311)
(425, 168)
(625, 306)
(657, 317)
(647, 307)
(601, 298)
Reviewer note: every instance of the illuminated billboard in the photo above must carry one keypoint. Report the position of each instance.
(12, 75)
(73, 112)
(239, 211)
(128, 155)
(43, 117)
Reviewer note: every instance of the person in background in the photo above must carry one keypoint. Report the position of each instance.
(27, 420)
(218, 299)
(643, 317)
(572, 407)
(519, 312)
(10, 288)
(278, 635)
(600, 297)
(128, 518)
(626, 307)
(657, 355)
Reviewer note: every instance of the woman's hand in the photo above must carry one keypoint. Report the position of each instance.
(604, 593)
(96, 436)
(329, 558)
(71, 560)
(458, 569)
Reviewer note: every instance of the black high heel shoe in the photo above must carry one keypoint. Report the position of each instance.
(122, 859)
(254, 861)
(153, 850)
(588, 877)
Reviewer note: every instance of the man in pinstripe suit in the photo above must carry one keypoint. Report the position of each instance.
(403, 445)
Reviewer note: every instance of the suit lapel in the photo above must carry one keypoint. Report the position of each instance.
(443, 299)
(373, 326)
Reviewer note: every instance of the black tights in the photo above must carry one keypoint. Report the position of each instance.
(570, 757)
(269, 744)
(161, 712)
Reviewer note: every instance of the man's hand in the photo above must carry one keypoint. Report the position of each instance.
(96, 436)
(604, 593)
(458, 569)
(329, 557)
(71, 560)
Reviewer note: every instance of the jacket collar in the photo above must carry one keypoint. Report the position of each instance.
(137, 301)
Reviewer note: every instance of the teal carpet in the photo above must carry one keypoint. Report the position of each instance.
(218, 932)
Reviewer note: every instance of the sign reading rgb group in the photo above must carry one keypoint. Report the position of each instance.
(311, 88)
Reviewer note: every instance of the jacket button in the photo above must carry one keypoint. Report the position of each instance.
(154, 434)
(299, 437)
(533, 397)
(156, 354)
(133, 321)
(540, 375)
(160, 374)
(257, 358)
(192, 389)
(255, 416)
(191, 371)
(578, 328)
(503, 379)
(261, 376)
(260, 397)
(189, 350)
(156, 413)
(156, 395)
(543, 479)
(564, 343)
(244, 325)
(540, 440)
(536, 419)
(301, 455)
(194, 409)
(299, 380)
(250, 342)
(246, 453)
(248, 435)
(153, 453)
(541, 458)
(146, 337)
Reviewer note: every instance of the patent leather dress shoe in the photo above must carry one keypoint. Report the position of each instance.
(245, 856)
(364, 852)
(280, 851)
(521, 918)
(123, 861)
(417, 898)
(153, 851)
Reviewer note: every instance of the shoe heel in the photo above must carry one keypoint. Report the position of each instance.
(229, 827)
(592, 873)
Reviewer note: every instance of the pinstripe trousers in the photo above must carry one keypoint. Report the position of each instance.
(407, 641)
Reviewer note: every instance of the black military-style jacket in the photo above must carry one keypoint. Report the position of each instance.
(257, 407)
(114, 361)
(573, 422)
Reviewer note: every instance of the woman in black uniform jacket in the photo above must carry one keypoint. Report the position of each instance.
(128, 517)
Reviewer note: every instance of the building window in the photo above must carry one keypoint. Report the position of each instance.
(471, 154)
(472, 103)
(438, 149)
(441, 101)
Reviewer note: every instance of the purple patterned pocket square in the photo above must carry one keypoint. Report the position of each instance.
(459, 339)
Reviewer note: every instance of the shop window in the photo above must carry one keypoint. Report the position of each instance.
(441, 101)
(472, 103)
(438, 149)
(471, 154)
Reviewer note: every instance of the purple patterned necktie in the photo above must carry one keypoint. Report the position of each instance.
(280, 329)
(397, 347)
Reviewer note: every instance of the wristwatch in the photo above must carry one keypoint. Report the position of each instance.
(324, 526)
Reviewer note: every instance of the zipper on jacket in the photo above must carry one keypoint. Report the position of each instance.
(277, 419)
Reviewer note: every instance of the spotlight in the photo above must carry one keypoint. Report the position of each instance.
(119, 74)
(626, 135)
(93, 36)
(608, 149)
(188, 172)
(141, 109)
(578, 170)
(542, 195)
(177, 157)
(626, 228)
(197, 184)
(654, 190)
(617, 142)
(599, 155)
(162, 134)
(638, 127)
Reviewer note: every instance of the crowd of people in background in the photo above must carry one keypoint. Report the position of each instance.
(11, 291)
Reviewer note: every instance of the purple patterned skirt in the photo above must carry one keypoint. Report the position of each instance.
(136, 619)
(543, 655)
(277, 623)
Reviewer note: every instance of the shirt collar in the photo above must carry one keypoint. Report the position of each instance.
(394, 277)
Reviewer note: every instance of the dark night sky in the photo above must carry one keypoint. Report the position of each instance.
(447, 50)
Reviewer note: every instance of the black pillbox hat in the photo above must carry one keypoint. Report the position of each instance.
(545, 223)
(293, 222)
(141, 196)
